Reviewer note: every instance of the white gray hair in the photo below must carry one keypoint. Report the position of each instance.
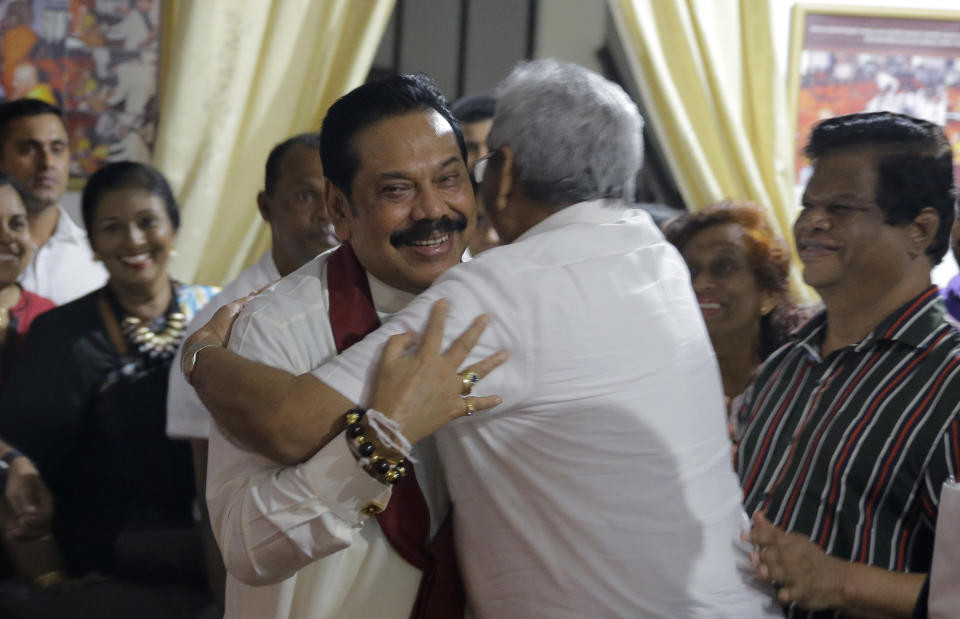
(575, 135)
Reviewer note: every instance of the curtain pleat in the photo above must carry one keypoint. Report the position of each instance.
(240, 76)
(708, 76)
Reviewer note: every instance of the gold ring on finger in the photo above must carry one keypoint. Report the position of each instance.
(468, 407)
(468, 378)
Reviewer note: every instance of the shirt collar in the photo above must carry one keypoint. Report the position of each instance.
(911, 324)
(592, 212)
(387, 299)
(810, 334)
(269, 266)
(67, 230)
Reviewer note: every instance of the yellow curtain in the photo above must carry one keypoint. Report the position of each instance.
(708, 76)
(238, 77)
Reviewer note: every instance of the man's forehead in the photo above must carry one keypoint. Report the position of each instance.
(39, 127)
(301, 161)
(478, 128)
(844, 175)
(407, 141)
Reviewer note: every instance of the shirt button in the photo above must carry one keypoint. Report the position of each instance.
(372, 508)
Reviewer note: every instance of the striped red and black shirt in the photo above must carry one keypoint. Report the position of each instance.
(852, 450)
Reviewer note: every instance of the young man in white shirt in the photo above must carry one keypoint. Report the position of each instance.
(603, 486)
(307, 545)
(35, 151)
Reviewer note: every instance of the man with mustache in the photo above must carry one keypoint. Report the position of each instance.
(854, 425)
(400, 197)
(34, 150)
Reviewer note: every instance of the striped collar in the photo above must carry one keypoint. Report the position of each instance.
(912, 323)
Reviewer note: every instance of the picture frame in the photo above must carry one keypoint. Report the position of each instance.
(849, 59)
(99, 61)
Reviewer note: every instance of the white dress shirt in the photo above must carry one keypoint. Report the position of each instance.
(187, 417)
(301, 527)
(603, 486)
(64, 269)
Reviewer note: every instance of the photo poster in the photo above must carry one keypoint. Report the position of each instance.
(98, 60)
(856, 59)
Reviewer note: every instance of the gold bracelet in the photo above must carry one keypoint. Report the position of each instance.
(382, 469)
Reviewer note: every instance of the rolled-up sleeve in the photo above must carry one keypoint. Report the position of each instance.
(270, 520)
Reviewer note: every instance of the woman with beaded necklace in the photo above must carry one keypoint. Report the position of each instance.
(87, 401)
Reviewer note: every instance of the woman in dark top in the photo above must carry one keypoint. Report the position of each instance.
(87, 402)
(18, 307)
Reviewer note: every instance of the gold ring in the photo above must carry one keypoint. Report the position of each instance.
(469, 408)
(468, 378)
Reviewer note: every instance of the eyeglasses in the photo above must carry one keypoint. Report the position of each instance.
(480, 166)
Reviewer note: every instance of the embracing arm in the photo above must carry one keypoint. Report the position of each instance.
(271, 520)
(283, 417)
(288, 418)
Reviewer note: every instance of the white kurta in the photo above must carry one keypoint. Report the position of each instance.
(187, 417)
(603, 486)
(64, 269)
(301, 527)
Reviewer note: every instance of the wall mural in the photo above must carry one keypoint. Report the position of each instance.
(96, 59)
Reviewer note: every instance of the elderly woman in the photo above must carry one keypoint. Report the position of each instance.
(739, 269)
(87, 401)
(18, 307)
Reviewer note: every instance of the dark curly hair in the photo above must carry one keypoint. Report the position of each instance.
(768, 254)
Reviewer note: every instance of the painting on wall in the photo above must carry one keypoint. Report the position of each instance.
(96, 59)
(858, 59)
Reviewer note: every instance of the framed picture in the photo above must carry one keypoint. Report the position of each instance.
(865, 59)
(96, 59)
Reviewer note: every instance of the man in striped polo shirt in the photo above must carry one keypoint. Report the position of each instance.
(853, 426)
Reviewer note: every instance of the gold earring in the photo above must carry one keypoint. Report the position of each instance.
(766, 309)
(96, 257)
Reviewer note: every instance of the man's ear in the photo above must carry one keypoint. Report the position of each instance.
(923, 230)
(338, 209)
(263, 205)
(505, 184)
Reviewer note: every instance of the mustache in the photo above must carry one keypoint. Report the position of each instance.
(425, 228)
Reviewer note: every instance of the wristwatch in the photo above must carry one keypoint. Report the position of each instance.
(5, 462)
(188, 361)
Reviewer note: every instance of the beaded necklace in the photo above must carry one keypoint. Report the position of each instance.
(157, 345)
(156, 341)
